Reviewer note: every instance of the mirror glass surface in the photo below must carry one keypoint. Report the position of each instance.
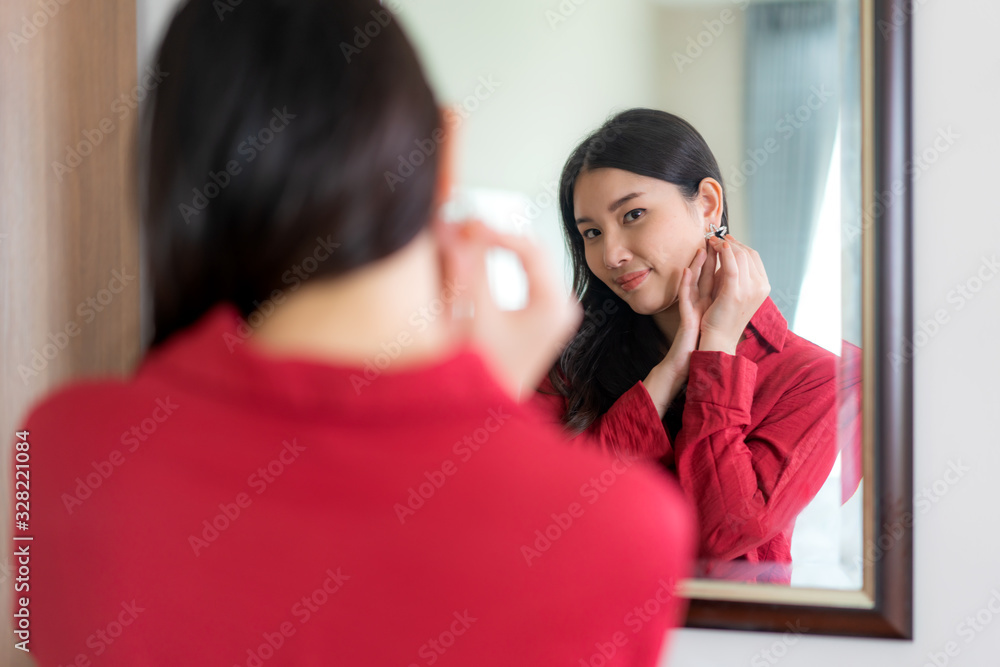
(773, 87)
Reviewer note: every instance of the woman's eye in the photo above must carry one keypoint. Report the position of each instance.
(591, 233)
(635, 213)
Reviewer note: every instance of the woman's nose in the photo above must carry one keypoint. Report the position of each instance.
(615, 252)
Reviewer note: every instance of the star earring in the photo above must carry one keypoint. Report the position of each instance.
(719, 232)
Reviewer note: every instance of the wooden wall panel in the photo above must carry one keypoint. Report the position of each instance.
(67, 214)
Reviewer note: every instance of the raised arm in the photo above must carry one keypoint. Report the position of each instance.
(631, 428)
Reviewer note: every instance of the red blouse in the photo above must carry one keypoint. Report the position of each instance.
(757, 440)
(225, 507)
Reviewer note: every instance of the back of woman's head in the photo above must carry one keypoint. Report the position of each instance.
(616, 347)
(280, 146)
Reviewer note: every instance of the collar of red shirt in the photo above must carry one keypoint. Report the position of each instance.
(214, 356)
(769, 325)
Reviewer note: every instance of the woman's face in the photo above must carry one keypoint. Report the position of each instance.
(640, 232)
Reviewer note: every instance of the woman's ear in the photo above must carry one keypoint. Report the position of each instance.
(710, 199)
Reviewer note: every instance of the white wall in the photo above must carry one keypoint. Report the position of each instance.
(957, 561)
(709, 91)
(957, 541)
(151, 18)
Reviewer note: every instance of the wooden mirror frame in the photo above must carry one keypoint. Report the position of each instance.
(884, 606)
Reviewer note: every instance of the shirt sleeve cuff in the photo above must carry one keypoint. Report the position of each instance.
(635, 414)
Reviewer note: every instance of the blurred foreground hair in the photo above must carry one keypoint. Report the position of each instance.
(271, 151)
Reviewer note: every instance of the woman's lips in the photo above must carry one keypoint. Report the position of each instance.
(630, 281)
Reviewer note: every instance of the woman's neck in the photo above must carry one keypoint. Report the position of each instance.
(394, 307)
(668, 321)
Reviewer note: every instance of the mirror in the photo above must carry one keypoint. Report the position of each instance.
(783, 92)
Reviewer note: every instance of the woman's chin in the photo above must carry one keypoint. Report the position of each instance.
(645, 306)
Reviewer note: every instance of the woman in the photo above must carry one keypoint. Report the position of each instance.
(315, 463)
(683, 362)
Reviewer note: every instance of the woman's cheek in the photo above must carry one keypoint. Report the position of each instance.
(594, 264)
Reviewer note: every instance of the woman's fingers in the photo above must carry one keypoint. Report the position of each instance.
(542, 284)
(751, 253)
(684, 291)
(743, 262)
(754, 263)
(758, 264)
(463, 262)
(698, 261)
(706, 280)
(685, 295)
(687, 335)
(730, 269)
(698, 268)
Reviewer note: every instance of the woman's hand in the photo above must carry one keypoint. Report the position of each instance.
(694, 297)
(740, 287)
(522, 344)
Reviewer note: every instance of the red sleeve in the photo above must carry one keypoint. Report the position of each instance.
(750, 486)
(631, 428)
(850, 421)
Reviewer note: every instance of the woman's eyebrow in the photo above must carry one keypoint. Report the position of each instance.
(615, 205)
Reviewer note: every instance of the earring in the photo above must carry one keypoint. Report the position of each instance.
(719, 232)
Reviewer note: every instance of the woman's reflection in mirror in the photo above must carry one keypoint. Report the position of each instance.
(697, 367)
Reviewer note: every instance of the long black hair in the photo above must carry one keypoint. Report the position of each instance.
(616, 347)
(284, 134)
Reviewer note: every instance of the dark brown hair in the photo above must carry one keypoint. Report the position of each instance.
(280, 127)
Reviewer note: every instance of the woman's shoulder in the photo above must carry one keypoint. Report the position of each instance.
(77, 397)
(84, 420)
(808, 362)
(800, 345)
